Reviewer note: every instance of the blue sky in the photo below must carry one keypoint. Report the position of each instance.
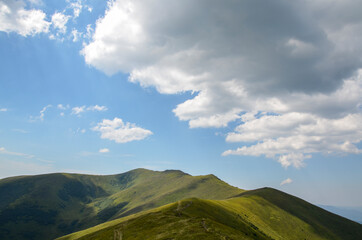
(256, 93)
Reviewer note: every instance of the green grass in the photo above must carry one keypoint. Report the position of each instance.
(189, 219)
(144, 204)
(260, 214)
(52, 205)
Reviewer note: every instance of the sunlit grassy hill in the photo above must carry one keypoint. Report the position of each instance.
(260, 214)
(52, 205)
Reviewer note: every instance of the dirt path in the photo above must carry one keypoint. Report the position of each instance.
(204, 225)
(180, 208)
(117, 234)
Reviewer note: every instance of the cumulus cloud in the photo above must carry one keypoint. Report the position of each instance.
(233, 43)
(14, 17)
(292, 137)
(286, 181)
(24, 17)
(3, 109)
(121, 132)
(104, 150)
(284, 69)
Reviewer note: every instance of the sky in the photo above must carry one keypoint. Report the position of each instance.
(259, 93)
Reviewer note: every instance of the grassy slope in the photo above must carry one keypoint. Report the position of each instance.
(52, 205)
(323, 223)
(187, 219)
(260, 214)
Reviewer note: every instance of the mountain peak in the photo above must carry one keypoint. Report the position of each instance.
(176, 172)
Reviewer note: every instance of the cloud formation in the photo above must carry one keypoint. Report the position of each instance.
(77, 6)
(286, 181)
(63, 107)
(15, 18)
(42, 114)
(59, 21)
(291, 137)
(104, 150)
(121, 132)
(6, 152)
(286, 70)
(94, 108)
(25, 17)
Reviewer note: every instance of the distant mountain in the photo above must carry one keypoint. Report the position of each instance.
(259, 214)
(53, 205)
(352, 213)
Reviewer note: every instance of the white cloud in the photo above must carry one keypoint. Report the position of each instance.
(76, 35)
(20, 130)
(89, 32)
(76, 6)
(82, 109)
(59, 22)
(294, 159)
(121, 132)
(78, 110)
(22, 17)
(63, 107)
(6, 152)
(97, 108)
(3, 109)
(286, 181)
(78, 131)
(217, 120)
(42, 114)
(60, 106)
(292, 71)
(15, 18)
(104, 150)
(292, 137)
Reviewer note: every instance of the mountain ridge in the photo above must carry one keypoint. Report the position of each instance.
(252, 215)
(71, 202)
(53, 205)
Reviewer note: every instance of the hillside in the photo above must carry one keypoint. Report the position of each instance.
(260, 214)
(52, 205)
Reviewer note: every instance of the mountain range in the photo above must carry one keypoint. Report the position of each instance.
(145, 204)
